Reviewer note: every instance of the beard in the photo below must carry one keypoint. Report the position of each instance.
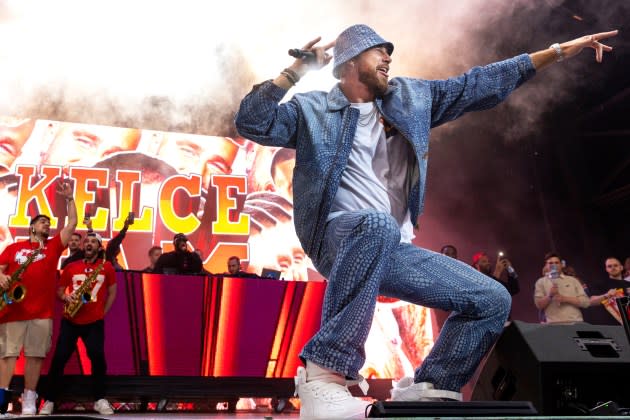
(371, 79)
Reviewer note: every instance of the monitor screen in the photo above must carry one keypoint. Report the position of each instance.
(270, 273)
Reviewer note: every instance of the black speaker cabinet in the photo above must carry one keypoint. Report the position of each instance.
(562, 369)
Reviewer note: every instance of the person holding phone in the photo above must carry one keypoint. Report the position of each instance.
(559, 296)
(503, 272)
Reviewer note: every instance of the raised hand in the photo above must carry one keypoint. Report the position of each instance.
(574, 47)
(321, 59)
(65, 189)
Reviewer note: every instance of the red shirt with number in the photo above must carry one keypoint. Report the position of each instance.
(39, 279)
(73, 277)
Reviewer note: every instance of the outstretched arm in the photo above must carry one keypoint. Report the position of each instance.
(559, 52)
(65, 190)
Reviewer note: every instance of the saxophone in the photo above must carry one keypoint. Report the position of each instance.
(16, 291)
(83, 293)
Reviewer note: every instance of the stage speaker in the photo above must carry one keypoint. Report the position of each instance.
(400, 409)
(563, 369)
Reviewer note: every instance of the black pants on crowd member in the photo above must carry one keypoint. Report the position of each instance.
(93, 337)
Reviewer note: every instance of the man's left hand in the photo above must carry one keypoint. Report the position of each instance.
(574, 47)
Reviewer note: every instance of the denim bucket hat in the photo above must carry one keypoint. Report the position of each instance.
(353, 41)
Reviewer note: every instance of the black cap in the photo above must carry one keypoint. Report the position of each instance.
(180, 237)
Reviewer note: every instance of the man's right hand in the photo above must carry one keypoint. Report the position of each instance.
(301, 66)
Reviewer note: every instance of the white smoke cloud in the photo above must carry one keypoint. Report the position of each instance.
(187, 63)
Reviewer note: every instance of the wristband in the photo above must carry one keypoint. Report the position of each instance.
(558, 49)
(290, 75)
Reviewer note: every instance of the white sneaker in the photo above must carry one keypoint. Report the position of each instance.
(103, 407)
(47, 408)
(407, 390)
(326, 400)
(29, 400)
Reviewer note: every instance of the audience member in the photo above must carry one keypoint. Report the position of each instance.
(154, 254)
(503, 272)
(602, 289)
(179, 261)
(449, 251)
(561, 297)
(626, 266)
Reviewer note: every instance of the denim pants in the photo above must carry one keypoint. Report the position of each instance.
(362, 257)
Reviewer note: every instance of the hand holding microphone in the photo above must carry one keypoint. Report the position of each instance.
(309, 57)
(303, 54)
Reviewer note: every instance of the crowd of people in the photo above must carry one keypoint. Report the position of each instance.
(560, 294)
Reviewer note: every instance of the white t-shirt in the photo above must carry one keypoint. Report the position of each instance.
(377, 173)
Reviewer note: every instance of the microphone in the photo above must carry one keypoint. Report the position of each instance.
(298, 53)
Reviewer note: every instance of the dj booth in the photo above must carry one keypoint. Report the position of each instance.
(187, 338)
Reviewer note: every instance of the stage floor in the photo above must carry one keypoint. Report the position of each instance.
(271, 416)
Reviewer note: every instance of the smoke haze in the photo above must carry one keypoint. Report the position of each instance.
(186, 64)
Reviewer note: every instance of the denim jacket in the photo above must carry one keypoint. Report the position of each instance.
(320, 126)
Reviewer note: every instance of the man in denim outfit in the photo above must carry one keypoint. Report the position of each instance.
(359, 181)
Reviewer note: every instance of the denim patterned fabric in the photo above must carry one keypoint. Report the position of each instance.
(353, 41)
(364, 258)
(360, 252)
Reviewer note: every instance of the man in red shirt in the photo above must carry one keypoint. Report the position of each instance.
(87, 323)
(28, 324)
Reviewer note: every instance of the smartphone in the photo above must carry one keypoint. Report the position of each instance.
(131, 216)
